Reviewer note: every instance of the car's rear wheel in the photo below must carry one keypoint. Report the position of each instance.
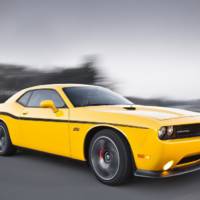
(110, 157)
(6, 147)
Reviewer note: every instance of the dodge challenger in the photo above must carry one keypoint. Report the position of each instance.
(117, 138)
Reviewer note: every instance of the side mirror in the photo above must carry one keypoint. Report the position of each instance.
(49, 104)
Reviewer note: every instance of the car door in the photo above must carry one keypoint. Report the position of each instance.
(42, 128)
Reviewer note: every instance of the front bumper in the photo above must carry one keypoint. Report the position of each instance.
(165, 174)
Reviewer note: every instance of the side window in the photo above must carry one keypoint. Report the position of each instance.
(41, 95)
(23, 100)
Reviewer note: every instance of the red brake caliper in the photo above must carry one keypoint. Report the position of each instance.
(101, 154)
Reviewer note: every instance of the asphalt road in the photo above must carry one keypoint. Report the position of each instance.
(32, 176)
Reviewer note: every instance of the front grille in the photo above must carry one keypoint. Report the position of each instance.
(189, 159)
(183, 131)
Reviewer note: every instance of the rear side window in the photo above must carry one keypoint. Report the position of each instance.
(40, 95)
(23, 100)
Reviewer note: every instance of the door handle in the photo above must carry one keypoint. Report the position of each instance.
(25, 113)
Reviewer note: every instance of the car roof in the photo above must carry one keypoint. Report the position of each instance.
(56, 86)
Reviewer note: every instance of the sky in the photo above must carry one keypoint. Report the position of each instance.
(150, 48)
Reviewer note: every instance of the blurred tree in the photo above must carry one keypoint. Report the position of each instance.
(14, 77)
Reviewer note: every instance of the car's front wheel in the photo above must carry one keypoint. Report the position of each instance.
(6, 147)
(110, 157)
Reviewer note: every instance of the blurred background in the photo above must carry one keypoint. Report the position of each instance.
(147, 50)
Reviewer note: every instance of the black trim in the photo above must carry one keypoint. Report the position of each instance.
(8, 114)
(68, 121)
(189, 159)
(167, 174)
(106, 123)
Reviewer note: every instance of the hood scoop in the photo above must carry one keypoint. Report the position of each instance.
(130, 108)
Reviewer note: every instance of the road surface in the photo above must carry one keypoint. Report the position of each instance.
(33, 176)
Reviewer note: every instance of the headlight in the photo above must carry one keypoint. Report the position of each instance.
(166, 132)
(162, 132)
(170, 130)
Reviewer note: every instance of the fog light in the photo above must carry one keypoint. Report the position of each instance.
(168, 165)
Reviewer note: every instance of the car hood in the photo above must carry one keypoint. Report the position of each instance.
(138, 116)
(157, 113)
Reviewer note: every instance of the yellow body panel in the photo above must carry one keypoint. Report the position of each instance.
(64, 133)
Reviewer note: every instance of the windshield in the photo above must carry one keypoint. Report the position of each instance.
(94, 96)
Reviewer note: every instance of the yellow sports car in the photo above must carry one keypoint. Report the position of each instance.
(94, 124)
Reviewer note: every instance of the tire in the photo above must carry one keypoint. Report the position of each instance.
(110, 157)
(6, 147)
